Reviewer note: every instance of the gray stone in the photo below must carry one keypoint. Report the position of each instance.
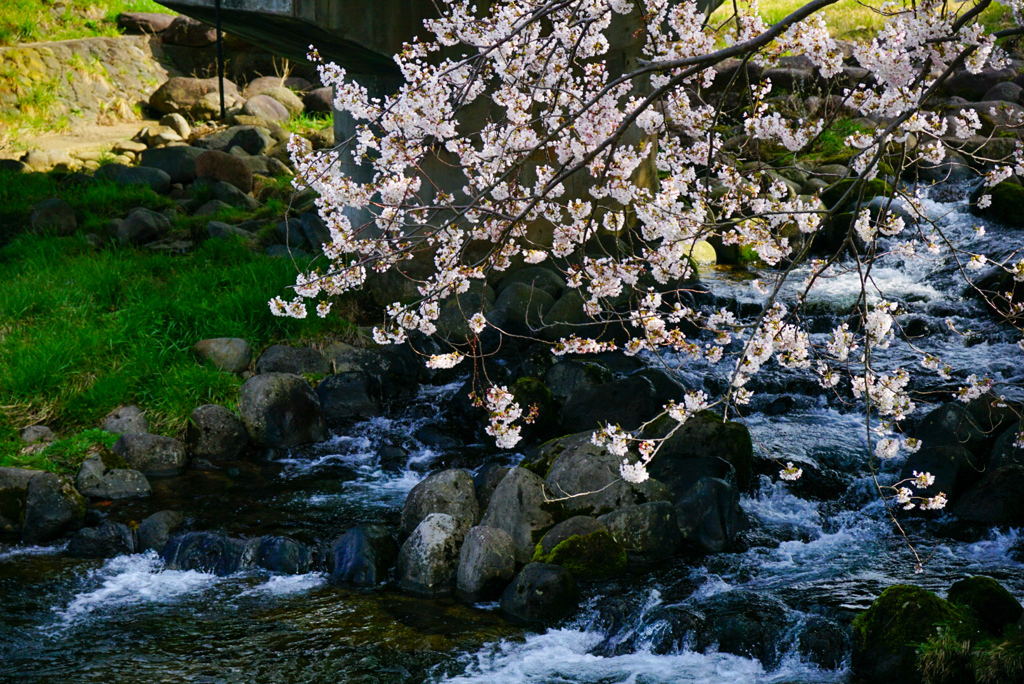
(142, 226)
(567, 376)
(155, 530)
(578, 525)
(289, 100)
(428, 560)
(13, 492)
(153, 455)
(567, 317)
(281, 358)
(229, 354)
(177, 123)
(52, 508)
(209, 552)
(96, 481)
(229, 194)
(291, 234)
(447, 491)
(283, 556)
(541, 593)
(53, 217)
(628, 403)
(188, 32)
(352, 394)
(316, 231)
(319, 100)
(362, 556)
(226, 168)
(537, 277)
(522, 506)
(281, 410)
(649, 532)
(524, 307)
(589, 474)
(214, 433)
(195, 98)
(106, 541)
(36, 433)
(266, 108)
(178, 162)
(252, 139)
(143, 23)
(683, 457)
(285, 252)
(155, 179)
(218, 230)
(952, 425)
(487, 563)
(126, 420)
(486, 480)
(709, 515)
(212, 208)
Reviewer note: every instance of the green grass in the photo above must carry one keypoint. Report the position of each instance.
(29, 21)
(307, 121)
(85, 330)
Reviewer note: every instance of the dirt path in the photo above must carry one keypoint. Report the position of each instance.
(89, 137)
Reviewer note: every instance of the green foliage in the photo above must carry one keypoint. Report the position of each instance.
(308, 121)
(64, 456)
(84, 331)
(24, 21)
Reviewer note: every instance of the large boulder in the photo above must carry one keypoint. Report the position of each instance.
(53, 217)
(709, 515)
(209, 552)
(155, 531)
(283, 556)
(628, 403)
(13, 492)
(126, 420)
(1004, 451)
(995, 500)
(281, 410)
(953, 424)
(648, 532)
(486, 479)
(447, 491)
(487, 563)
(353, 394)
(262, 84)
(522, 506)
(265, 108)
(953, 467)
(746, 623)
(887, 635)
(703, 436)
(229, 354)
(194, 98)
(288, 99)
(565, 377)
(252, 139)
(52, 508)
(584, 547)
(153, 455)
(589, 475)
(281, 358)
(541, 593)
(319, 100)
(1005, 201)
(523, 308)
(144, 23)
(537, 277)
(215, 433)
(178, 162)
(97, 481)
(226, 168)
(188, 32)
(987, 601)
(362, 556)
(106, 541)
(429, 559)
(142, 226)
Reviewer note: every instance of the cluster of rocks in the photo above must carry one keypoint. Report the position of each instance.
(909, 631)
(971, 451)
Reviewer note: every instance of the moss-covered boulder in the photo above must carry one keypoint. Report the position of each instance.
(536, 400)
(586, 556)
(833, 195)
(1005, 207)
(887, 635)
(988, 601)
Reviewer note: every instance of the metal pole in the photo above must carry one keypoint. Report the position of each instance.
(220, 59)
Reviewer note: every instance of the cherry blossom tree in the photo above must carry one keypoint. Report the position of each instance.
(589, 134)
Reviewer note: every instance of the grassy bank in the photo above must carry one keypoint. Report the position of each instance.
(84, 330)
(29, 21)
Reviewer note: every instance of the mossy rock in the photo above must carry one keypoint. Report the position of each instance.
(1007, 200)
(875, 187)
(532, 394)
(588, 556)
(887, 635)
(109, 458)
(702, 253)
(991, 604)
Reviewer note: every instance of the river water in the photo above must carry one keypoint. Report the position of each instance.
(821, 548)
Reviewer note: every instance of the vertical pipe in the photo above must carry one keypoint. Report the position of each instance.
(220, 59)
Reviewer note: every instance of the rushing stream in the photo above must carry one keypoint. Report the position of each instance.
(823, 549)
